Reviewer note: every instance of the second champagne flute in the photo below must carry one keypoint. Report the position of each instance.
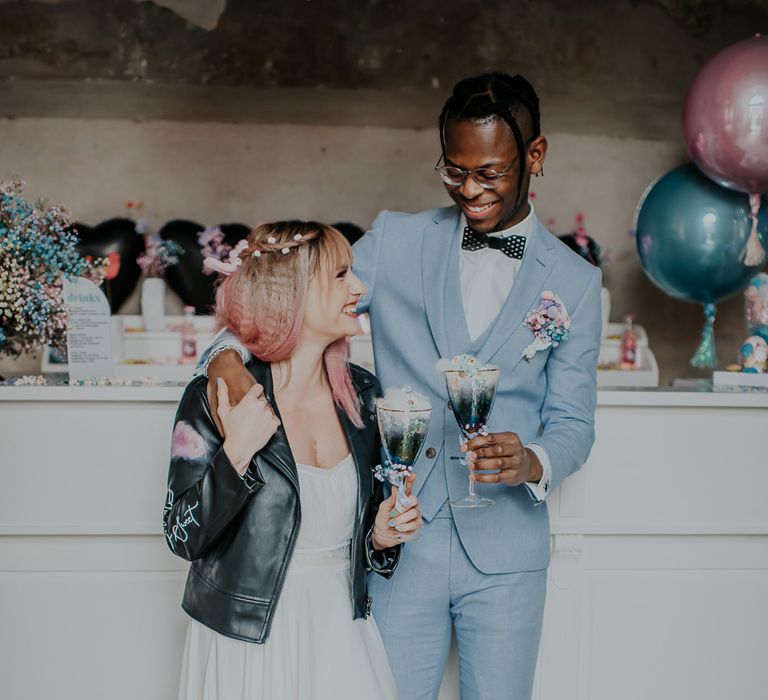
(471, 391)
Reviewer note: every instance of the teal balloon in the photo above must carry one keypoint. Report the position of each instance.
(692, 236)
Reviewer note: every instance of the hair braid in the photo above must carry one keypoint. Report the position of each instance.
(283, 237)
(492, 95)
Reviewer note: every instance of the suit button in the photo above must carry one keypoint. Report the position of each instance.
(450, 407)
(368, 603)
(430, 452)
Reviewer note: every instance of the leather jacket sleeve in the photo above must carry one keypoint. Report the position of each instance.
(205, 492)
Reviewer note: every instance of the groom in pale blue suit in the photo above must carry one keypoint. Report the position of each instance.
(462, 280)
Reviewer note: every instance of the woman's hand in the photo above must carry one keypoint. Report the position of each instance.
(390, 525)
(248, 426)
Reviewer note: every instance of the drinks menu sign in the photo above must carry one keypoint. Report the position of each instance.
(89, 334)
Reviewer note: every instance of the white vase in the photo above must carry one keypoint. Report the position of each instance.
(153, 304)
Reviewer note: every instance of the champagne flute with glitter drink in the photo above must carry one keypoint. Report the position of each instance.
(471, 391)
(403, 418)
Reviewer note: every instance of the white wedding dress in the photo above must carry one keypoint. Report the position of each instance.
(315, 650)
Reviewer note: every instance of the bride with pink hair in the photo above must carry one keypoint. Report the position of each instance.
(273, 500)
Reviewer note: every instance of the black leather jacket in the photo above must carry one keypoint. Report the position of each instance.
(239, 532)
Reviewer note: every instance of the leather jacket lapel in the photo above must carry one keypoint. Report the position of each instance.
(276, 451)
(359, 446)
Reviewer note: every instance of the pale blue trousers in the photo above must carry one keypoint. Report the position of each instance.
(497, 618)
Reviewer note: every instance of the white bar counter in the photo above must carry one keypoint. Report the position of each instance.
(658, 586)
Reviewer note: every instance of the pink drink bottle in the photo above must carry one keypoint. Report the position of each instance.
(628, 344)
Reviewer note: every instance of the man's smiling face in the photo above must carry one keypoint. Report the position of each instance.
(489, 143)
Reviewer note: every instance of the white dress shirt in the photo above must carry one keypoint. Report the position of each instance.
(487, 276)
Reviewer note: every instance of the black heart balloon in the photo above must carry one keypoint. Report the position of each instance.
(114, 236)
(187, 278)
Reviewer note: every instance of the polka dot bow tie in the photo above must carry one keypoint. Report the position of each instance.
(512, 246)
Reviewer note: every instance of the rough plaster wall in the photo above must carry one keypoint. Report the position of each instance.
(215, 173)
(638, 49)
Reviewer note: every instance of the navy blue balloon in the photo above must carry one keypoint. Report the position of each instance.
(692, 236)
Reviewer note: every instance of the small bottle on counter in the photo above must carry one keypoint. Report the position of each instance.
(188, 336)
(628, 344)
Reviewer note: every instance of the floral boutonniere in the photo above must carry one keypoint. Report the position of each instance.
(549, 324)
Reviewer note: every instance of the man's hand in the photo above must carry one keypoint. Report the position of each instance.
(504, 452)
(248, 425)
(229, 367)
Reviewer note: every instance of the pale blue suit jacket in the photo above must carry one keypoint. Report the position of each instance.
(410, 266)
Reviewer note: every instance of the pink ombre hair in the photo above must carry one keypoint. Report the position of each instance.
(263, 302)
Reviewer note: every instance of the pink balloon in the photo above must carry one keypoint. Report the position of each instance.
(725, 118)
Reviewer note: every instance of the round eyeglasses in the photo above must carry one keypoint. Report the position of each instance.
(487, 178)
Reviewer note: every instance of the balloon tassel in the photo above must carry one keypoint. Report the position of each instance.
(705, 356)
(755, 253)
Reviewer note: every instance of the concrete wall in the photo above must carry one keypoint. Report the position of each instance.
(639, 50)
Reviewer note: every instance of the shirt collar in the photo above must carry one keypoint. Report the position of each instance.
(522, 228)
